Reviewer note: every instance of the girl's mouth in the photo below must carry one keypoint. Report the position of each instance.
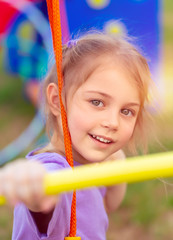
(101, 139)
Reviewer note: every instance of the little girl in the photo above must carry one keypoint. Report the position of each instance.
(105, 92)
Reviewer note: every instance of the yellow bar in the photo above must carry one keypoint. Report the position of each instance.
(134, 169)
(2, 200)
(109, 173)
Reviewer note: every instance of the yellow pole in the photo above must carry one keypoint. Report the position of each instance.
(134, 169)
(109, 173)
(2, 200)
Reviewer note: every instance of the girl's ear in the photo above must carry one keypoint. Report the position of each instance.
(53, 99)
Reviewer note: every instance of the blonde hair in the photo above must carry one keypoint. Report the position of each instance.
(82, 56)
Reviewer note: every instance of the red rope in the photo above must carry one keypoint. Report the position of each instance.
(55, 23)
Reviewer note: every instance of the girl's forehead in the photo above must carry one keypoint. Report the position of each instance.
(109, 69)
(105, 61)
(111, 80)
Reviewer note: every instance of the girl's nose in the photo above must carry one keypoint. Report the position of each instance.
(111, 121)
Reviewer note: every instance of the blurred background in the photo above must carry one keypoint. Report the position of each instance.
(25, 58)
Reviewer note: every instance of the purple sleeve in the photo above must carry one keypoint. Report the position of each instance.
(24, 226)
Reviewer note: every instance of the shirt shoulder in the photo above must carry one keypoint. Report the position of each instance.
(52, 161)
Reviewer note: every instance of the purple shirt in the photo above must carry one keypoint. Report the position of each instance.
(92, 220)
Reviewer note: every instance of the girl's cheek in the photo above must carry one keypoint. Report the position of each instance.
(129, 131)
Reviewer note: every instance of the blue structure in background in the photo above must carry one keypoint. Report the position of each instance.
(26, 56)
(138, 18)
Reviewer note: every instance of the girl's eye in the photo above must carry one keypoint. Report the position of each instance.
(97, 103)
(127, 112)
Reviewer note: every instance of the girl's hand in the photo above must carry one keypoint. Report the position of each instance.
(115, 194)
(22, 181)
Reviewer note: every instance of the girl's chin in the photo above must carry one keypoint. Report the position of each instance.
(93, 160)
(87, 160)
(94, 157)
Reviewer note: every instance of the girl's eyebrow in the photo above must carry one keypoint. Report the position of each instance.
(133, 104)
(130, 104)
(101, 93)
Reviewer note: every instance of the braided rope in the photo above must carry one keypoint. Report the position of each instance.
(55, 23)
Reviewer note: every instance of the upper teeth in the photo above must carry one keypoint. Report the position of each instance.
(101, 139)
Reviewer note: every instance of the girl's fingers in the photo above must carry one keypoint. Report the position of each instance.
(22, 181)
(7, 187)
(31, 182)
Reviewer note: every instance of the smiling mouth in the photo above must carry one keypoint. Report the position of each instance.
(101, 139)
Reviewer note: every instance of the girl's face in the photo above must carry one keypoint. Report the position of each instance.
(102, 114)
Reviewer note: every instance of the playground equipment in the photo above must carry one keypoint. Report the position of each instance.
(26, 57)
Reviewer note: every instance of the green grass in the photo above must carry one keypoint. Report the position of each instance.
(5, 223)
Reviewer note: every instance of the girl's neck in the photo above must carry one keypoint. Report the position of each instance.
(57, 144)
